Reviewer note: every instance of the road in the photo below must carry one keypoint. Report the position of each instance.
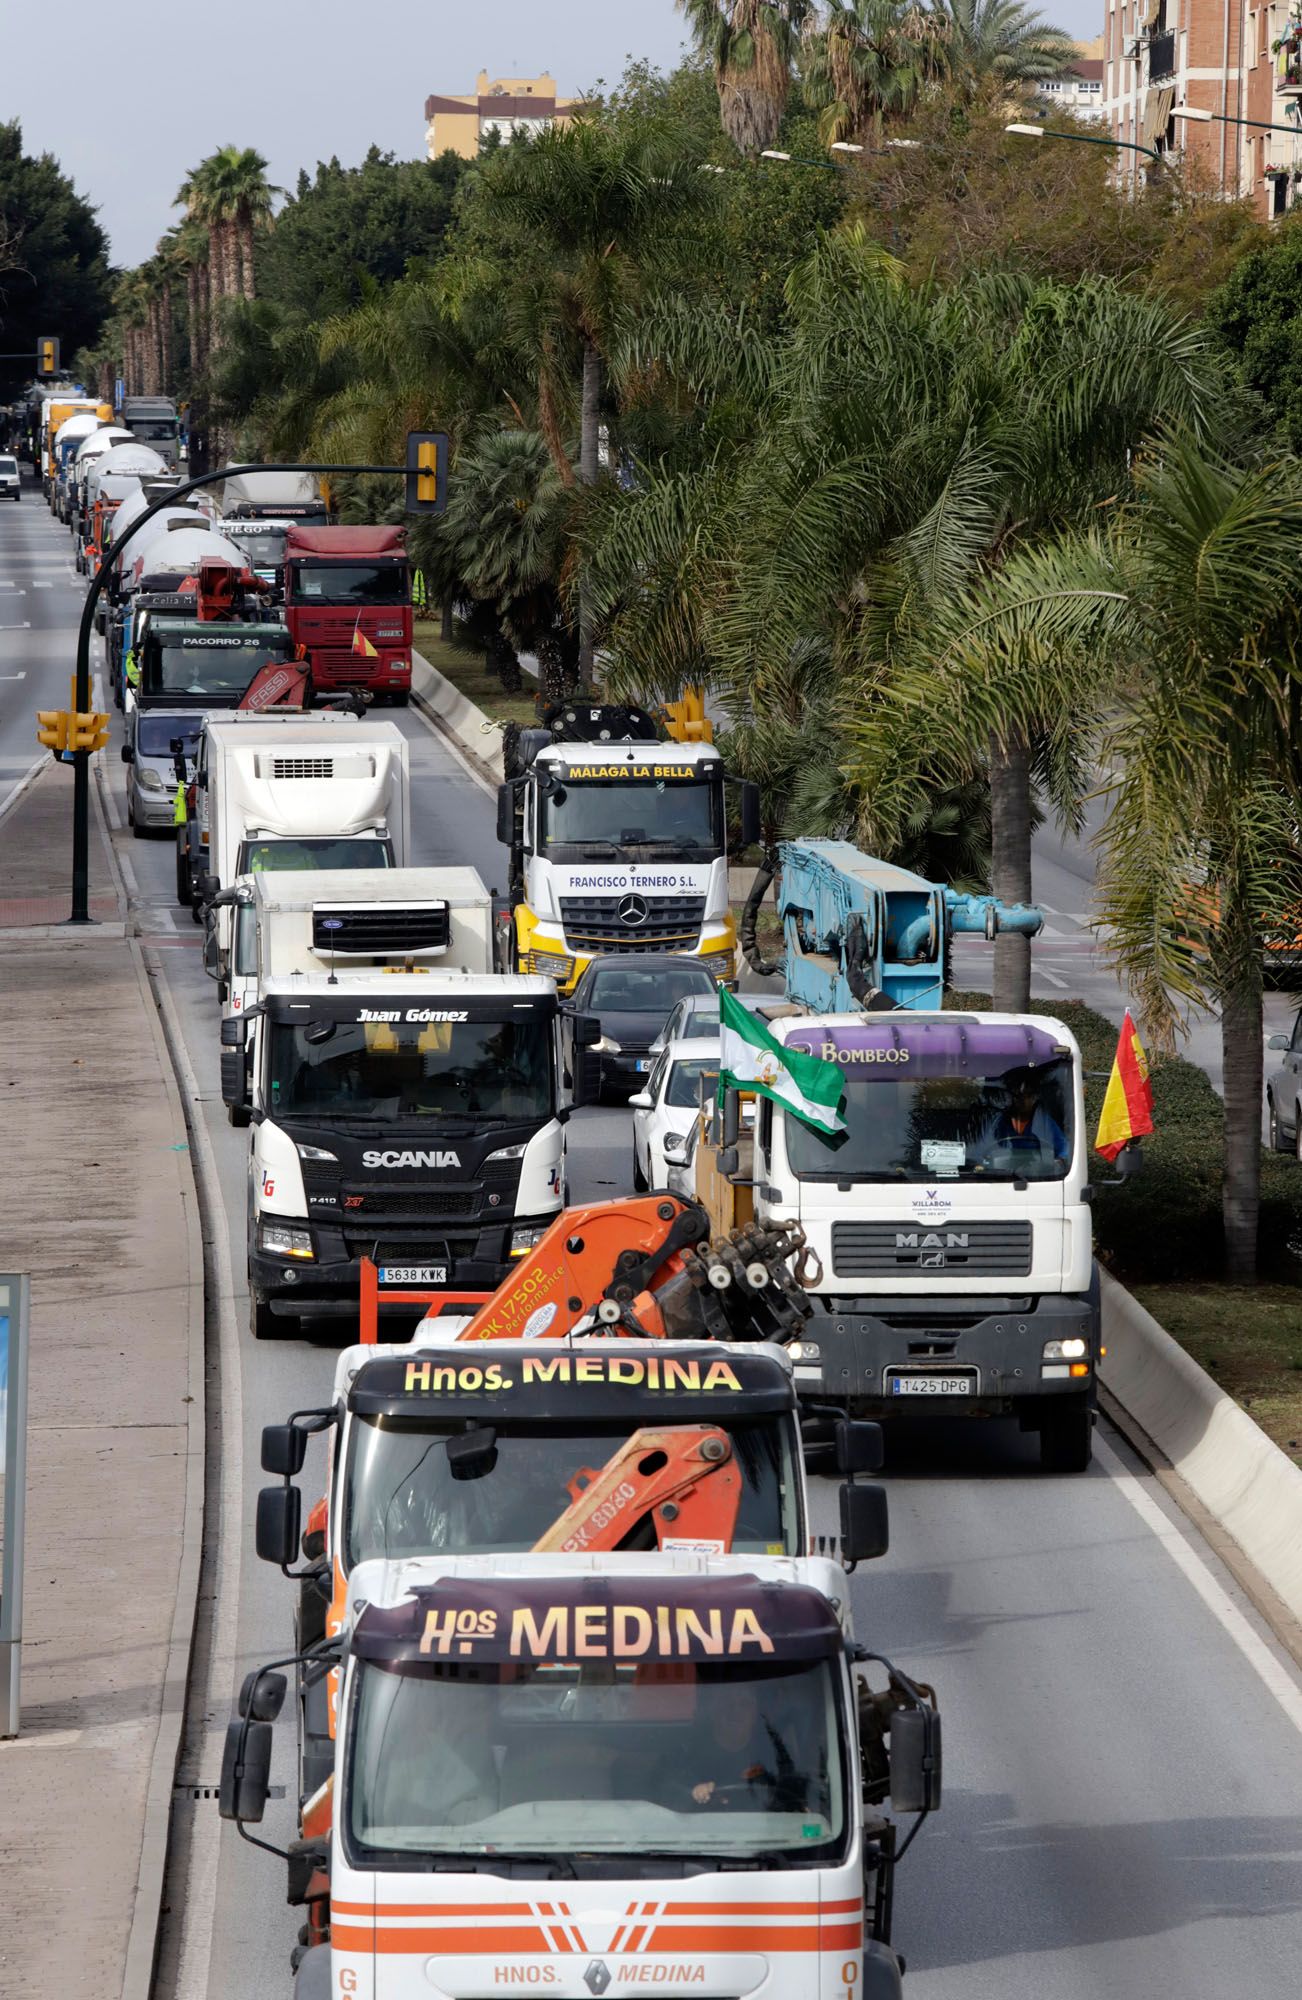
(40, 597)
(1123, 1811)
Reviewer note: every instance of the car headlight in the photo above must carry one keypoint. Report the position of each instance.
(317, 1153)
(508, 1153)
(525, 1239)
(1065, 1350)
(149, 778)
(284, 1239)
(675, 1145)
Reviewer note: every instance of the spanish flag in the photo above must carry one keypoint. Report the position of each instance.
(1128, 1105)
(361, 644)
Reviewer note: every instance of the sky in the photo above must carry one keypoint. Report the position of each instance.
(166, 83)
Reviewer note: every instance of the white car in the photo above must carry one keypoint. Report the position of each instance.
(11, 485)
(664, 1110)
(697, 1014)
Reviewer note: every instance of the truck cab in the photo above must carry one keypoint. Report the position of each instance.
(618, 845)
(348, 605)
(153, 420)
(681, 1747)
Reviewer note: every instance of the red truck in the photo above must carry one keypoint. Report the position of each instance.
(348, 608)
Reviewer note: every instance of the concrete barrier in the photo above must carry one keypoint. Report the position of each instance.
(1246, 1483)
(457, 716)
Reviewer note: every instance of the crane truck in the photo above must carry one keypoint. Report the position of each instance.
(598, 1773)
(948, 1218)
(618, 842)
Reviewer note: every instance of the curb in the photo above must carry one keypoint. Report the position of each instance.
(24, 784)
(454, 715)
(147, 1911)
(1245, 1483)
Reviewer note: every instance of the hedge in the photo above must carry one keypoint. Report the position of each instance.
(1166, 1223)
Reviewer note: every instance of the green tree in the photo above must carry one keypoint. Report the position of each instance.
(868, 62)
(751, 44)
(1257, 316)
(58, 277)
(1002, 44)
(347, 225)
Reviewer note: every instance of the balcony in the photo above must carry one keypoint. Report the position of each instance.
(1161, 56)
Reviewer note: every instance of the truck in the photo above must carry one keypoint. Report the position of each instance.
(55, 411)
(120, 471)
(289, 790)
(948, 1218)
(520, 1448)
(413, 1117)
(684, 1749)
(255, 494)
(90, 448)
(67, 440)
(348, 607)
(153, 420)
(618, 841)
(261, 543)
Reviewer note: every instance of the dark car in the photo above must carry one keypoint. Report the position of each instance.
(631, 993)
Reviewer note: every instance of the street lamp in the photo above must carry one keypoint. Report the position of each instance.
(1197, 117)
(1082, 139)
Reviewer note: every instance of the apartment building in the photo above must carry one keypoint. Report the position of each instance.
(1080, 87)
(503, 104)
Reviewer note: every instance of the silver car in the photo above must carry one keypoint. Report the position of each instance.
(11, 485)
(150, 752)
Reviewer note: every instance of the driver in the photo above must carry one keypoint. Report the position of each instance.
(1025, 1125)
(750, 1766)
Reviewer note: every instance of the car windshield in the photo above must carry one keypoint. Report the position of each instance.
(714, 1761)
(675, 817)
(8, 465)
(202, 665)
(349, 583)
(644, 989)
(379, 1071)
(690, 1083)
(156, 733)
(1016, 1126)
(324, 851)
(400, 1498)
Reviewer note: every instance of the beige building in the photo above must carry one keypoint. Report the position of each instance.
(505, 104)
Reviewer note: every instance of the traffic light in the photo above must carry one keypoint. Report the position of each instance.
(427, 472)
(686, 720)
(47, 355)
(87, 731)
(52, 729)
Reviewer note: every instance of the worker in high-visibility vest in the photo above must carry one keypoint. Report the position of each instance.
(419, 594)
(178, 805)
(131, 669)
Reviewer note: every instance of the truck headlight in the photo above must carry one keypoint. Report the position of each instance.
(525, 1239)
(552, 964)
(284, 1239)
(804, 1350)
(317, 1153)
(1065, 1350)
(508, 1153)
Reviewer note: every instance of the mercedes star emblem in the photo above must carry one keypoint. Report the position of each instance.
(632, 909)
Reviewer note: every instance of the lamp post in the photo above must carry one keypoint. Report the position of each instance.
(1194, 116)
(1082, 139)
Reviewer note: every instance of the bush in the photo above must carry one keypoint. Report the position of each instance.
(1167, 1223)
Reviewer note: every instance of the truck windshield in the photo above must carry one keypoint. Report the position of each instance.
(400, 1498)
(207, 665)
(264, 550)
(318, 852)
(350, 583)
(154, 430)
(719, 1762)
(1017, 1126)
(673, 818)
(379, 1071)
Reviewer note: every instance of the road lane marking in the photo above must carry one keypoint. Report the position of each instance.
(14, 677)
(1270, 1670)
(1043, 972)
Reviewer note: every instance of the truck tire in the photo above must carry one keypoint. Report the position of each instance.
(263, 1323)
(401, 698)
(312, 1980)
(1067, 1436)
(240, 1115)
(881, 1972)
(182, 876)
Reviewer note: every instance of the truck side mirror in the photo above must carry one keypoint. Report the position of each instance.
(750, 813)
(246, 1771)
(262, 1694)
(915, 1759)
(587, 1078)
(277, 1524)
(858, 1446)
(235, 1079)
(587, 1031)
(211, 949)
(506, 814)
(233, 1033)
(284, 1447)
(209, 884)
(865, 1523)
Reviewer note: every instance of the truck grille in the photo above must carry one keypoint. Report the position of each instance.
(671, 923)
(381, 1204)
(379, 931)
(346, 667)
(967, 1250)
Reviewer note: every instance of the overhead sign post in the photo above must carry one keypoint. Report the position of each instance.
(14, 1308)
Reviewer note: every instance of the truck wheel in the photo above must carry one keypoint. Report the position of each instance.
(239, 1115)
(881, 1972)
(401, 699)
(182, 877)
(1067, 1437)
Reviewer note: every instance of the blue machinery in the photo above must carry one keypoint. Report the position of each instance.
(852, 925)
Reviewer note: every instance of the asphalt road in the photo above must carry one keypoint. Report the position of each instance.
(40, 599)
(1123, 1810)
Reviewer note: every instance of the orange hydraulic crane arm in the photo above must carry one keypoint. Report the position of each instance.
(681, 1480)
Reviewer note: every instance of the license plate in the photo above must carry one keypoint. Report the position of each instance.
(642, 1064)
(413, 1274)
(932, 1385)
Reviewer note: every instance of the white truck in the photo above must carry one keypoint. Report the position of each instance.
(600, 1773)
(618, 842)
(406, 1112)
(296, 791)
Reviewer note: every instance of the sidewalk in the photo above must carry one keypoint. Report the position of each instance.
(97, 1203)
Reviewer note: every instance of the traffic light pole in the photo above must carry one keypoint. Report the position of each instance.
(81, 758)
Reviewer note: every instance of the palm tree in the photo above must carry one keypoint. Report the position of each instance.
(868, 61)
(751, 44)
(229, 193)
(1001, 43)
(192, 258)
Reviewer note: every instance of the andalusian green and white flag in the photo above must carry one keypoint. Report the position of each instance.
(753, 1059)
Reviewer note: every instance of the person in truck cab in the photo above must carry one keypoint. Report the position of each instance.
(752, 1769)
(1026, 1125)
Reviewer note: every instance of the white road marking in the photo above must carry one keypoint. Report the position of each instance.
(14, 677)
(1043, 972)
(1269, 1669)
(39, 583)
(25, 625)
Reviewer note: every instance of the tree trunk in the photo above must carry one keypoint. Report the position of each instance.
(445, 629)
(195, 289)
(246, 257)
(1010, 867)
(165, 351)
(589, 417)
(1242, 1020)
(230, 261)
